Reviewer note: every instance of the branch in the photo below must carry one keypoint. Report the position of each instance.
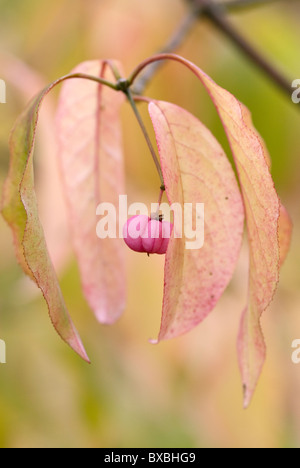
(177, 38)
(215, 14)
(237, 4)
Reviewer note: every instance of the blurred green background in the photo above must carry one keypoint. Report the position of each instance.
(181, 393)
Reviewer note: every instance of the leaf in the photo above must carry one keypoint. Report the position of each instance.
(91, 161)
(262, 208)
(285, 228)
(19, 208)
(195, 170)
(48, 186)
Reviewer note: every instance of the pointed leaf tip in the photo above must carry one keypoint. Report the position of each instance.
(268, 225)
(20, 210)
(262, 209)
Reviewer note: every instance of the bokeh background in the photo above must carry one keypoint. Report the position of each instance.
(181, 393)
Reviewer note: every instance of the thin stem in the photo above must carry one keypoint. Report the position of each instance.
(177, 38)
(183, 30)
(114, 69)
(155, 58)
(156, 215)
(160, 197)
(215, 13)
(143, 128)
(88, 77)
(173, 57)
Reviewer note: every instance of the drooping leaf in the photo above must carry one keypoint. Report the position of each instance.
(262, 208)
(91, 161)
(251, 344)
(48, 186)
(19, 208)
(196, 170)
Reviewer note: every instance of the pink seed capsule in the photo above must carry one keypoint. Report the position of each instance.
(143, 234)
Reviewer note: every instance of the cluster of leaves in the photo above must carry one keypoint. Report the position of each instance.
(195, 169)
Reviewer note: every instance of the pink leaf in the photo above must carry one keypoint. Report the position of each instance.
(262, 208)
(91, 161)
(285, 228)
(27, 83)
(19, 208)
(264, 222)
(196, 170)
